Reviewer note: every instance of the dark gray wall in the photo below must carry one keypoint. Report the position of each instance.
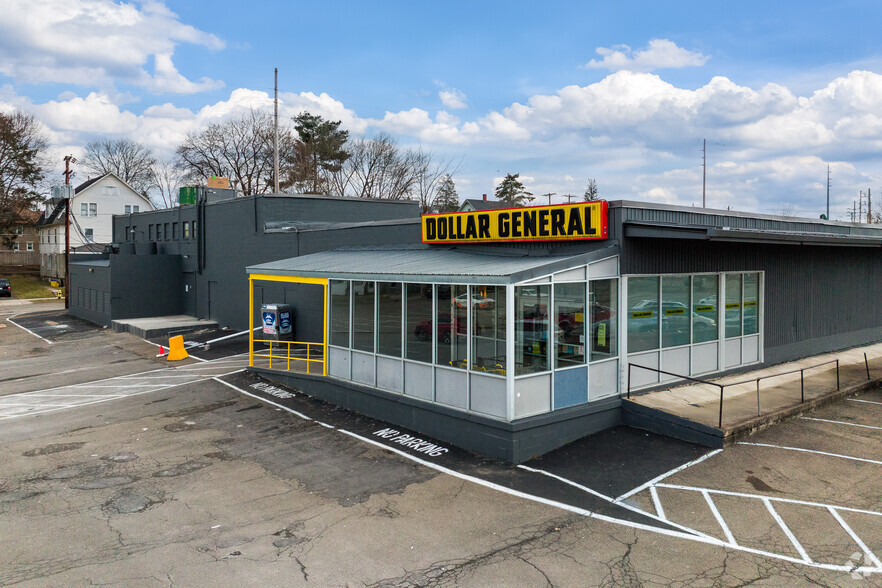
(90, 292)
(211, 281)
(145, 285)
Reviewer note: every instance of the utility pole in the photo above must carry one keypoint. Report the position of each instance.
(703, 172)
(869, 208)
(68, 159)
(860, 213)
(550, 194)
(276, 135)
(828, 191)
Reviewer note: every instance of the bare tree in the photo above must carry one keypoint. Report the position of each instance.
(788, 209)
(131, 161)
(240, 148)
(431, 175)
(22, 162)
(166, 181)
(378, 168)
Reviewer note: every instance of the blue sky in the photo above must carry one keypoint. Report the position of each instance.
(556, 91)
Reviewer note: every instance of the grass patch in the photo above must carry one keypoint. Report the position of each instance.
(29, 287)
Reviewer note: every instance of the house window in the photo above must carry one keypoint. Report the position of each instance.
(150, 233)
(174, 231)
(19, 230)
(89, 234)
(110, 191)
(15, 246)
(166, 232)
(186, 234)
(29, 246)
(84, 209)
(93, 209)
(130, 208)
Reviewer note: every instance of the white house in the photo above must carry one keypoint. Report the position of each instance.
(93, 205)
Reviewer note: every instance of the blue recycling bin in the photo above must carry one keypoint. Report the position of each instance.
(278, 322)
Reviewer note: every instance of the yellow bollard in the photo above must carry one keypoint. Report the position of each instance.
(176, 349)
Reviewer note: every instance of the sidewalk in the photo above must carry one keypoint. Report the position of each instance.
(697, 406)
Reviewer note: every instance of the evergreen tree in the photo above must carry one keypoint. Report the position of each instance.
(591, 191)
(319, 151)
(447, 199)
(512, 191)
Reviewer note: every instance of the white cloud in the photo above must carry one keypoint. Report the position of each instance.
(98, 42)
(660, 54)
(453, 98)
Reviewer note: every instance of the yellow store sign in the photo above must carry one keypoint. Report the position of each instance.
(563, 222)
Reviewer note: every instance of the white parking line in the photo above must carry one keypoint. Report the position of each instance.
(841, 423)
(730, 538)
(870, 555)
(867, 401)
(658, 479)
(701, 538)
(812, 451)
(657, 503)
(9, 320)
(787, 531)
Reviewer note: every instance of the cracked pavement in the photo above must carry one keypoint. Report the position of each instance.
(198, 485)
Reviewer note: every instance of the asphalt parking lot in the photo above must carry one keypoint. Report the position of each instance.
(118, 469)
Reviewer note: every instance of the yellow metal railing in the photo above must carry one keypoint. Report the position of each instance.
(288, 356)
(323, 282)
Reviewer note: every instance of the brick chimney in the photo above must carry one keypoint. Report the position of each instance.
(485, 198)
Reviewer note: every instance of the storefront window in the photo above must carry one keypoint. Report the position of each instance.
(363, 316)
(675, 311)
(452, 325)
(418, 345)
(488, 329)
(643, 313)
(733, 305)
(389, 318)
(339, 312)
(751, 303)
(531, 329)
(604, 304)
(569, 313)
(705, 313)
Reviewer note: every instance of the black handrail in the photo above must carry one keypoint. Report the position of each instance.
(630, 365)
(757, 380)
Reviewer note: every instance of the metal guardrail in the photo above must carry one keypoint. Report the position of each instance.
(722, 387)
(289, 357)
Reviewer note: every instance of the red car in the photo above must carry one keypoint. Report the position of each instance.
(423, 331)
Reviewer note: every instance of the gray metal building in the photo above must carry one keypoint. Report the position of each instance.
(191, 259)
(514, 349)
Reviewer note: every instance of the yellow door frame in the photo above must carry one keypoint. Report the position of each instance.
(292, 280)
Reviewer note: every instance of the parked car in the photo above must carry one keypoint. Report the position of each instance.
(423, 331)
(482, 302)
(5, 288)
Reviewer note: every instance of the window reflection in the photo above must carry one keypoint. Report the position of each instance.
(604, 302)
(531, 329)
(705, 311)
(675, 314)
(643, 314)
(488, 329)
(451, 325)
(419, 328)
(339, 312)
(389, 318)
(733, 305)
(569, 311)
(363, 316)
